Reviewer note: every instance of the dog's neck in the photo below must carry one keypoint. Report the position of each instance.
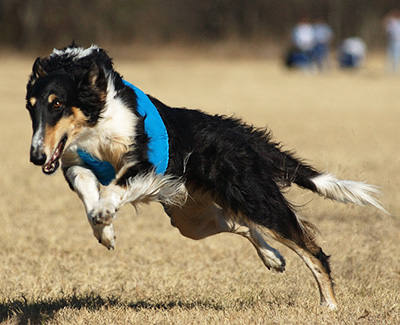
(111, 138)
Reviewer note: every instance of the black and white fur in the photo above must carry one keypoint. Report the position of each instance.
(223, 175)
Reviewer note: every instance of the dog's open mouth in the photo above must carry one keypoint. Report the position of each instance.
(52, 165)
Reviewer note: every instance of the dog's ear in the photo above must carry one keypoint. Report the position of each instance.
(38, 69)
(92, 91)
(94, 78)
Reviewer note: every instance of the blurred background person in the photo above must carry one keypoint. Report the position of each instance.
(303, 40)
(352, 53)
(323, 36)
(392, 28)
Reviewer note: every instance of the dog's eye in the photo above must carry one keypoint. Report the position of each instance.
(57, 104)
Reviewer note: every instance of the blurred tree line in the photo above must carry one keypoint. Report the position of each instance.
(38, 24)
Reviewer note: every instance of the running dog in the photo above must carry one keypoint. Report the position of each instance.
(212, 174)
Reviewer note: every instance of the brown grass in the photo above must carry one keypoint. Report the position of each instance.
(52, 270)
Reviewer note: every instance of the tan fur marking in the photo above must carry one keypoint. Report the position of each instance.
(51, 98)
(32, 101)
(49, 140)
(54, 134)
(70, 125)
(79, 117)
(115, 153)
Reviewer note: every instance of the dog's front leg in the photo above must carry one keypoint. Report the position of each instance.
(142, 188)
(109, 203)
(85, 184)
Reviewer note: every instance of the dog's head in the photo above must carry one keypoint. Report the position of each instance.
(66, 93)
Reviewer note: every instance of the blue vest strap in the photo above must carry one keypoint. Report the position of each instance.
(103, 170)
(158, 147)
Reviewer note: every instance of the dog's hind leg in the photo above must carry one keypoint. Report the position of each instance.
(200, 217)
(270, 256)
(315, 259)
(85, 184)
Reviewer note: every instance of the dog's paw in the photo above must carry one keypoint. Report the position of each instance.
(278, 265)
(103, 217)
(273, 261)
(103, 213)
(105, 235)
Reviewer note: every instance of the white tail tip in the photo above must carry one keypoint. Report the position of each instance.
(359, 193)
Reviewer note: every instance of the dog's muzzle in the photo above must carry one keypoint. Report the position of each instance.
(49, 164)
(38, 157)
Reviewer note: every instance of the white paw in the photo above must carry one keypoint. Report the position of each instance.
(105, 235)
(277, 263)
(104, 212)
(273, 261)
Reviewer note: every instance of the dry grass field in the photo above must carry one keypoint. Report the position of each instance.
(53, 271)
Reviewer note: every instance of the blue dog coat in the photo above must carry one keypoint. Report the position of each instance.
(158, 146)
(103, 170)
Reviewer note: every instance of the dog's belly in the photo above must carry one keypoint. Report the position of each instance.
(199, 217)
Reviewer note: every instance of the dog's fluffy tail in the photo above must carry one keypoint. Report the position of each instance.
(327, 185)
(345, 191)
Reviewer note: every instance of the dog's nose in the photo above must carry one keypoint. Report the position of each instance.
(37, 157)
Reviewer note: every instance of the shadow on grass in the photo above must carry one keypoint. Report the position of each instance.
(42, 310)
